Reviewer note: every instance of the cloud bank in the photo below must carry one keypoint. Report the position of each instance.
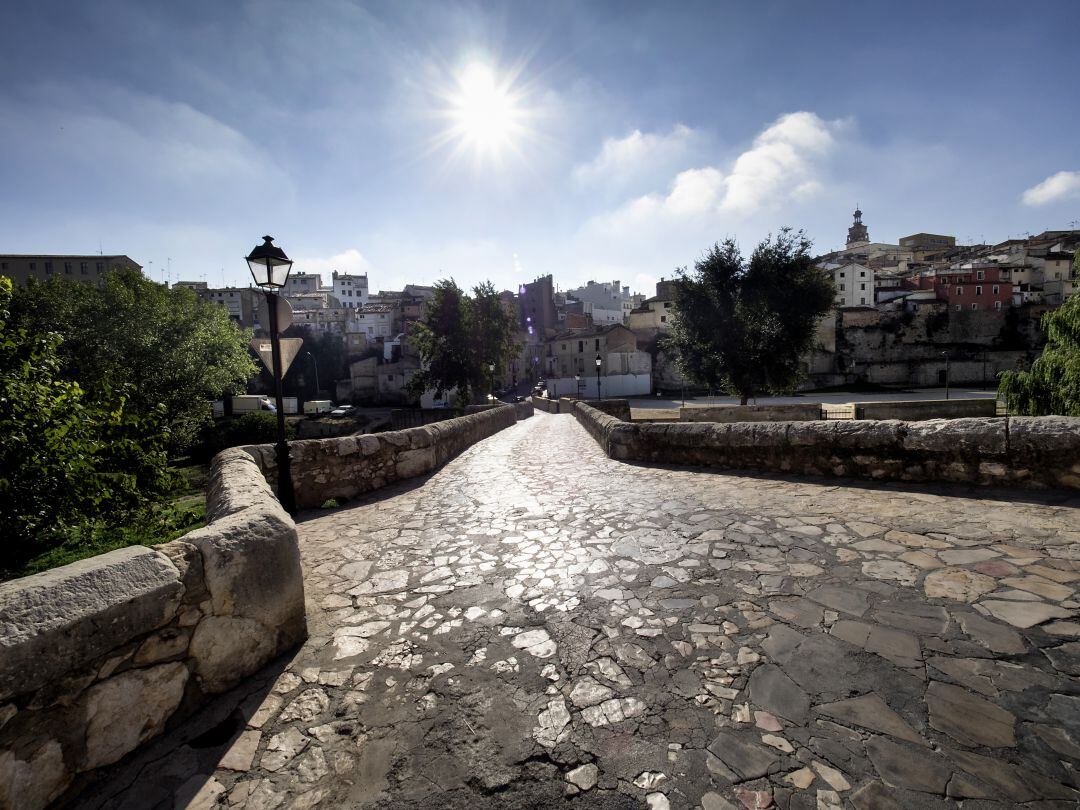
(1055, 188)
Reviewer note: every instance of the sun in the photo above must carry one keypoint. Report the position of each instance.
(485, 111)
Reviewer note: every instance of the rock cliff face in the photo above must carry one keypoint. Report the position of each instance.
(1030, 452)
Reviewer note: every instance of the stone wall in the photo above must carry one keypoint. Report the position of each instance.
(100, 655)
(914, 411)
(349, 466)
(1030, 452)
(619, 408)
(546, 405)
(750, 413)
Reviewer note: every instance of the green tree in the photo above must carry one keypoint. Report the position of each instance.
(67, 459)
(1052, 386)
(459, 338)
(165, 348)
(744, 327)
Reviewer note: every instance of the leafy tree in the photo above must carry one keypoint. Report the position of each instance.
(67, 458)
(459, 338)
(1052, 386)
(165, 348)
(744, 327)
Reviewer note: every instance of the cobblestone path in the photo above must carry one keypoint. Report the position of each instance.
(536, 625)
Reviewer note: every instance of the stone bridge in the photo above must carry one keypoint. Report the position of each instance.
(536, 625)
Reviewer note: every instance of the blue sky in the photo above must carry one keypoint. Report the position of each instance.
(625, 138)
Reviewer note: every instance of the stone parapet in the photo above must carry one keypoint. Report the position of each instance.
(1029, 452)
(98, 656)
(349, 466)
(546, 405)
(801, 411)
(918, 410)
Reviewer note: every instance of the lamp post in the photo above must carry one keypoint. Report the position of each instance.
(270, 268)
(577, 385)
(946, 356)
(491, 381)
(316, 364)
(599, 395)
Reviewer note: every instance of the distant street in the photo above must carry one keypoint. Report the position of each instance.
(831, 397)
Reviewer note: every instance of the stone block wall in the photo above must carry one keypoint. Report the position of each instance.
(349, 466)
(1030, 452)
(750, 413)
(103, 654)
(545, 404)
(619, 408)
(914, 411)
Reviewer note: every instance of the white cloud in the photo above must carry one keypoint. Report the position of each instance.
(639, 151)
(1055, 188)
(782, 164)
(348, 261)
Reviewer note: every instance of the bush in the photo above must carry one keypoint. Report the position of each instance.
(70, 462)
(256, 427)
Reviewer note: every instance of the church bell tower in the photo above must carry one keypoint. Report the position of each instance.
(857, 233)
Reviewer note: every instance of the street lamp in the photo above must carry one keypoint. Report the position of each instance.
(577, 385)
(946, 356)
(491, 380)
(599, 395)
(270, 268)
(316, 364)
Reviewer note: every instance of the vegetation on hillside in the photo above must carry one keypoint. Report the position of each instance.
(1052, 385)
(97, 387)
(744, 327)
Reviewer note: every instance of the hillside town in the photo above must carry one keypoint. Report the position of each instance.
(900, 309)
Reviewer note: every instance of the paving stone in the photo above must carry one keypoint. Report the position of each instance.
(774, 691)
(1024, 614)
(969, 719)
(991, 635)
(748, 760)
(870, 711)
(874, 796)
(846, 600)
(958, 584)
(906, 768)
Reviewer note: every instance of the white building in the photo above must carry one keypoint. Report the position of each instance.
(375, 321)
(608, 301)
(854, 284)
(351, 290)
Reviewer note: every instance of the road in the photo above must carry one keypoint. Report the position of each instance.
(535, 622)
(830, 397)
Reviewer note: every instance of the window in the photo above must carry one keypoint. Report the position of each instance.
(100, 266)
(980, 275)
(997, 289)
(862, 300)
(667, 305)
(84, 268)
(862, 286)
(978, 289)
(48, 267)
(663, 319)
(33, 267)
(3, 265)
(974, 306)
(841, 275)
(957, 307)
(862, 274)
(598, 344)
(959, 290)
(580, 346)
(841, 288)
(997, 305)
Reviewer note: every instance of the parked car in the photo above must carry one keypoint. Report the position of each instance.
(341, 411)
